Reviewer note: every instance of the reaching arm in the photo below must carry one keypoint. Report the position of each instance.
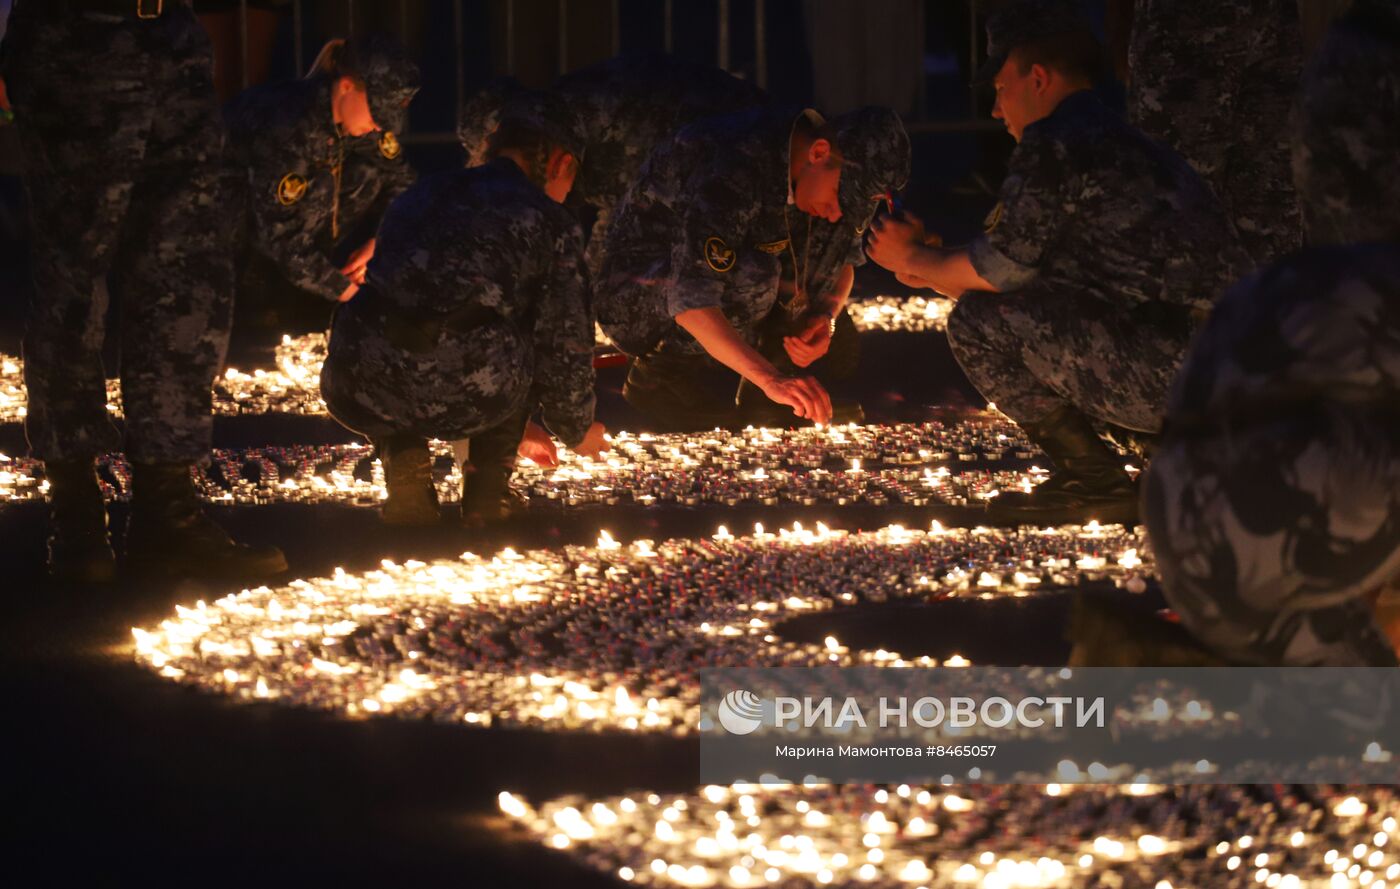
(812, 337)
(286, 206)
(564, 343)
(949, 271)
(713, 331)
(900, 246)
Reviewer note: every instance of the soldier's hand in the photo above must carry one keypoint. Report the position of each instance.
(537, 446)
(4, 98)
(355, 266)
(893, 242)
(349, 292)
(594, 442)
(811, 341)
(806, 397)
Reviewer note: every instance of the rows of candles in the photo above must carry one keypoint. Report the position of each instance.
(877, 465)
(1127, 836)
(603, 637)
(293, 385)
(611, 638)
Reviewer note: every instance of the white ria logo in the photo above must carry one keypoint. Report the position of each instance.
(740, 712)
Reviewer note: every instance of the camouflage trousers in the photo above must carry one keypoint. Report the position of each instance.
(1216, 82)
(1034, 351)
(448, 379)
(1271, 536)
(122, 140)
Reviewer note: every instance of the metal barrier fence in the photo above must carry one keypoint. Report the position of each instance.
(724, 29)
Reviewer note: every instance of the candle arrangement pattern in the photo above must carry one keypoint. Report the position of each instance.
(1133, 836)
(608, 638)
(604, 637)
(954, 463)
(293, 385)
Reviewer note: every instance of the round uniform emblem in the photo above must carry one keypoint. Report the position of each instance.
(389, 145)
(718, 255)
(291, 189)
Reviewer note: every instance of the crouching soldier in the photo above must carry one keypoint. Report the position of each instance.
(474, 313)
(1273, 505)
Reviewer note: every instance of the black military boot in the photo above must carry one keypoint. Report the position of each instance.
(169, 534)
(1088, 483)
(408, 476)
(486, 495)
(79, 549)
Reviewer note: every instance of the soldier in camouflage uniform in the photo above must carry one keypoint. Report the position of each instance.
(1216, 82)
(693, 260)
(1335, 166)
(625, 106)
(474, 313)
(828, 253)
(1076, 305)
(1273, 505)
(121, 142)
(314, 163)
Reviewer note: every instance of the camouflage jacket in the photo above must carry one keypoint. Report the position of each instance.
(706, 225)
(627, 105)
(1092, 205)
(1323, 324)
(473, 256)
(301, 185)
(1345, 158)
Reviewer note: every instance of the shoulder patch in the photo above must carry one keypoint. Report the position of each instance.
(389, 145)
(291, 189)
(718, 255)
(773, 248)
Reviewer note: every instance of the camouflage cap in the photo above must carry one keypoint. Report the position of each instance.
(390, 76)
(875, 159)
(549, 113)
(1021, 21)
(481, 115)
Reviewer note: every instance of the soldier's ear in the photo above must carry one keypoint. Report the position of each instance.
(561, 164)
(819, 152)
(346, 85)
(1040, 77)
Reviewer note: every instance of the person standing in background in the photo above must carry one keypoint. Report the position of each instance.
(121, 141)
(1215, 81)
(1273, 505)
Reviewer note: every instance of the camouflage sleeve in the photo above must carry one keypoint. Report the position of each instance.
(398, 176)
(564, 342)
(855, 256)
(1030, 209)
(846, 249)
(289, 205)
(714, 226)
